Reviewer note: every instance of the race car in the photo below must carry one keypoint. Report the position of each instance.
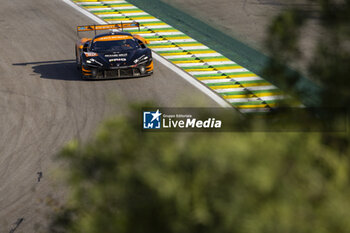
(115, 54)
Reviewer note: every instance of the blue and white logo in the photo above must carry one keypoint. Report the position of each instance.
(151, 120)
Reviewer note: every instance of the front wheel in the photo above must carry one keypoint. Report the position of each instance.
(80, 68)
(77, 60)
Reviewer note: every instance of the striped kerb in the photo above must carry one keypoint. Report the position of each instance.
(245, 90)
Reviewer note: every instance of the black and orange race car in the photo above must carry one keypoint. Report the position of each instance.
(115, 54)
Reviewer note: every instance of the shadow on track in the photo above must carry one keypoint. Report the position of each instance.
(59, 70)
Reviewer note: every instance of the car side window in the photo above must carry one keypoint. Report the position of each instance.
(142, 45)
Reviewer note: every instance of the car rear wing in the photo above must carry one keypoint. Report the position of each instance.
(118, 26)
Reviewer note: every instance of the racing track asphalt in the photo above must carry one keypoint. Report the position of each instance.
(44, 104)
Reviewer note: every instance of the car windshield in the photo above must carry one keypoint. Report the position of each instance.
(114, 45)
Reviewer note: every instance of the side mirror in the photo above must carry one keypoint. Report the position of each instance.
(86, 45)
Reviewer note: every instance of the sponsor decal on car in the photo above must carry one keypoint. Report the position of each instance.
(117, 55)
(90, 54)
(114, 37)
(117, 59)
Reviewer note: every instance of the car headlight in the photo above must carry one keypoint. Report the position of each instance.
(94, 62)
(142, 59)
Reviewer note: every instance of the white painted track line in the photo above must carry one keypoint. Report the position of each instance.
(257, 88)
(219, 71)
(265, 98)
(231, 79)
(206, 63)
